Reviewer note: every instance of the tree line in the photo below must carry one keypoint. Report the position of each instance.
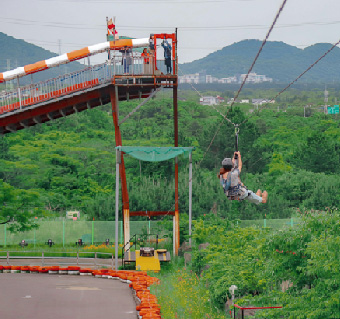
(70, 162)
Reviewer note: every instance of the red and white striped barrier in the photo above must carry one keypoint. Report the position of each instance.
(72, 56)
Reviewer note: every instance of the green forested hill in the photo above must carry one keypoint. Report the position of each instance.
(20, 53)
(278, 60)
(71, 162)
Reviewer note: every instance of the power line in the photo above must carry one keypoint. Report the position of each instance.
(151, 1)
(68, 25)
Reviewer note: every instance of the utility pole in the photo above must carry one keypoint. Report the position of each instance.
(59, 51)
(59, 46)
(9, 84)
(326, 100)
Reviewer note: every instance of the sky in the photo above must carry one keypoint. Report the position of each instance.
(204, 26)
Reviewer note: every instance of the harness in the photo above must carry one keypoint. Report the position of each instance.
(231, 185)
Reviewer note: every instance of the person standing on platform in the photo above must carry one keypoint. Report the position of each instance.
(146, 61)
(126, 59)
(167, 55)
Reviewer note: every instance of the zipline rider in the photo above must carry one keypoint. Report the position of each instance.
(230, 180)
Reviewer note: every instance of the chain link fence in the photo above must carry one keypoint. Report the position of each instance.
(66, 232)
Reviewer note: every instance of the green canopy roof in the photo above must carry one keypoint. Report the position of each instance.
(154, 154)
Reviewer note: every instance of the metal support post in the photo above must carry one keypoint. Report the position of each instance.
(176, 217)
(5, 235)
(118, 160)
(125, 194)
(7, 258)
(19, 91)
(174, 235)
(42, 258)
(92, 231)
(77, 258)
(63, 232)
(121, 232)
(190, 196)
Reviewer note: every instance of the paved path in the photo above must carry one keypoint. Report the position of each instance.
(44, 296)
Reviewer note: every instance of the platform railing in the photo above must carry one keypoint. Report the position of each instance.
(24, 96)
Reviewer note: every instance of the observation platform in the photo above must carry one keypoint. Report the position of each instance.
(129, 75)
(75, 92)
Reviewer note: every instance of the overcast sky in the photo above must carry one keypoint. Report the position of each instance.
(204, 26)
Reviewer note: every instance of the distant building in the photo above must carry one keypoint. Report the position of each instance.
(73, 214)
(261, 101)
(211, 100)
(229, 101)
(198, 78)
(189, 78)
(220, 99)
(254, 78)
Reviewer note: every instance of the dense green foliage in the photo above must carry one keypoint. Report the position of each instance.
(182, 295)
(18, 207)
(71, 162)
(258, 261)
(278, 60)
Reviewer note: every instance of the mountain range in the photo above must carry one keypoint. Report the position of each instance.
(278, 60)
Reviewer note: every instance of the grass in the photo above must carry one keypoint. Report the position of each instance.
(182, 295)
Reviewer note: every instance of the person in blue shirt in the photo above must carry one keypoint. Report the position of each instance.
(167, 55)
(230, 180)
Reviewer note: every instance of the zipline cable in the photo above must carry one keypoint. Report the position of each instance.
(283, 90)
(302, 74)
(259, 52)
(225, 117)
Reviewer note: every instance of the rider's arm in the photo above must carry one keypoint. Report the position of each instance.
(239, 161)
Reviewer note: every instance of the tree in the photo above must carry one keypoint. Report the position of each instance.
(19, 207)
(318, 154)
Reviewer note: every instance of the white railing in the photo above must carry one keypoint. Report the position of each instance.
(78, 258)
(91, 76)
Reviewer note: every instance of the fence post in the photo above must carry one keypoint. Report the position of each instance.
(7, 258)
(92, 231)
(5, 235)
(77, 257)
(63, 232)
(42, 258)
(121, 232)
(95, 260)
